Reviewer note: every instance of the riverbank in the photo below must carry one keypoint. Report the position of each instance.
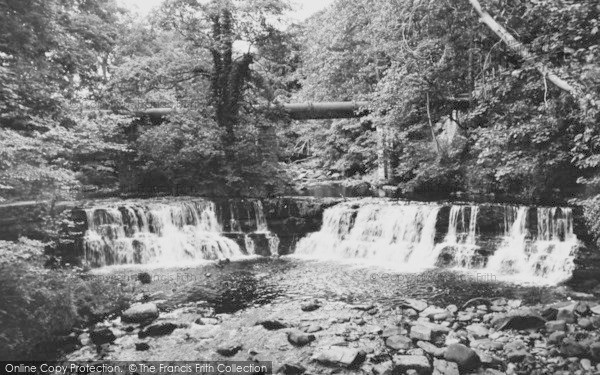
(210, 311)
(306, 335)
(40, 305)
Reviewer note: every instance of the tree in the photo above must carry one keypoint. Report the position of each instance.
(424, 63)
(216, 62)
(216, 27)
(50, 55)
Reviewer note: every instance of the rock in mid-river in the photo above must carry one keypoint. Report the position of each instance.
(337, 355)
(299, 338)
(465, 357)
(159, 329)
(102, 336)
(140, 313)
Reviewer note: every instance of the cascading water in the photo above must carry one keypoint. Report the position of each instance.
(392, 234)
(173, 232)
(460, 239)
(548, 255)
(155, 233)
(262, 227)
(403, 234)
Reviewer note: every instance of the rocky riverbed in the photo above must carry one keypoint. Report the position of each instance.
(412, 336)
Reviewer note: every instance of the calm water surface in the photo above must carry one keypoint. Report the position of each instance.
(240, 284)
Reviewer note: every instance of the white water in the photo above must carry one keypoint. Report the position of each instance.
(171, 233)
(402, 235)
(392, 235)
(462, 239)
(548, 256)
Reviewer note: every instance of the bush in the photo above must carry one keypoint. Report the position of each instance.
(40, 307)
(591, 213)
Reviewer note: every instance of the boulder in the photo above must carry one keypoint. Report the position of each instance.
(464, 316)
(595, 310)
(101, 336)
(291, 369)
(520, 319)
(595, 351)
(446, 315)
(365, 307)
(272, 325)
(516, 351)
(465, 357)
(159, 329)
(376, 330)
(556, 325)
(585, 323)
(419, 363)
(566, 314)
(141, 346)
(229, 350)
(300, 338)
(441, 367)
(144, 278)
(384, 368)
(313, 328)
(436, 329)
(337, 355)
(572, 348)
(549, 313)
(142, 313)
(431, 349)
(486, 344)
(585, 364)
(582, 309)
(310, 306)
(432, 311)
(414, 304)
(398, 342)
(478, 331)
(420, 332)
(556, 337)
(392, 331)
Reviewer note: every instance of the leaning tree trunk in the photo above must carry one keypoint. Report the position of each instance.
(524, 53)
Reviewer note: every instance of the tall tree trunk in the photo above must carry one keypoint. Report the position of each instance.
(434, 138)
(524, 53)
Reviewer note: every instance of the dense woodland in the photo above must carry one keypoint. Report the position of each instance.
(74, 72)
(457, 108)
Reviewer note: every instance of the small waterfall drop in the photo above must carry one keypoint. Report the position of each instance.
(493, 238)
(155, 233)
(548, 255)
(394, 234)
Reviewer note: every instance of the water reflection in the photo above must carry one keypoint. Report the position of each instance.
(262, 281)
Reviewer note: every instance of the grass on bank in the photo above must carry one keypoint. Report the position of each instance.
(40, 307)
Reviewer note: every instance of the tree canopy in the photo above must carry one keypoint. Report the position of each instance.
(459, 107)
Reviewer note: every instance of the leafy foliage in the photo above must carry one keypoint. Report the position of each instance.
(423, 64)
(38, 305)
(51, 53)
(217, 142)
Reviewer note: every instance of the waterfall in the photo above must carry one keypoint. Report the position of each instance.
(549, 255)
(403, 234)
(392, 234)
(155, 233)
(510, 257)
(460, 242)
(259, 213)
